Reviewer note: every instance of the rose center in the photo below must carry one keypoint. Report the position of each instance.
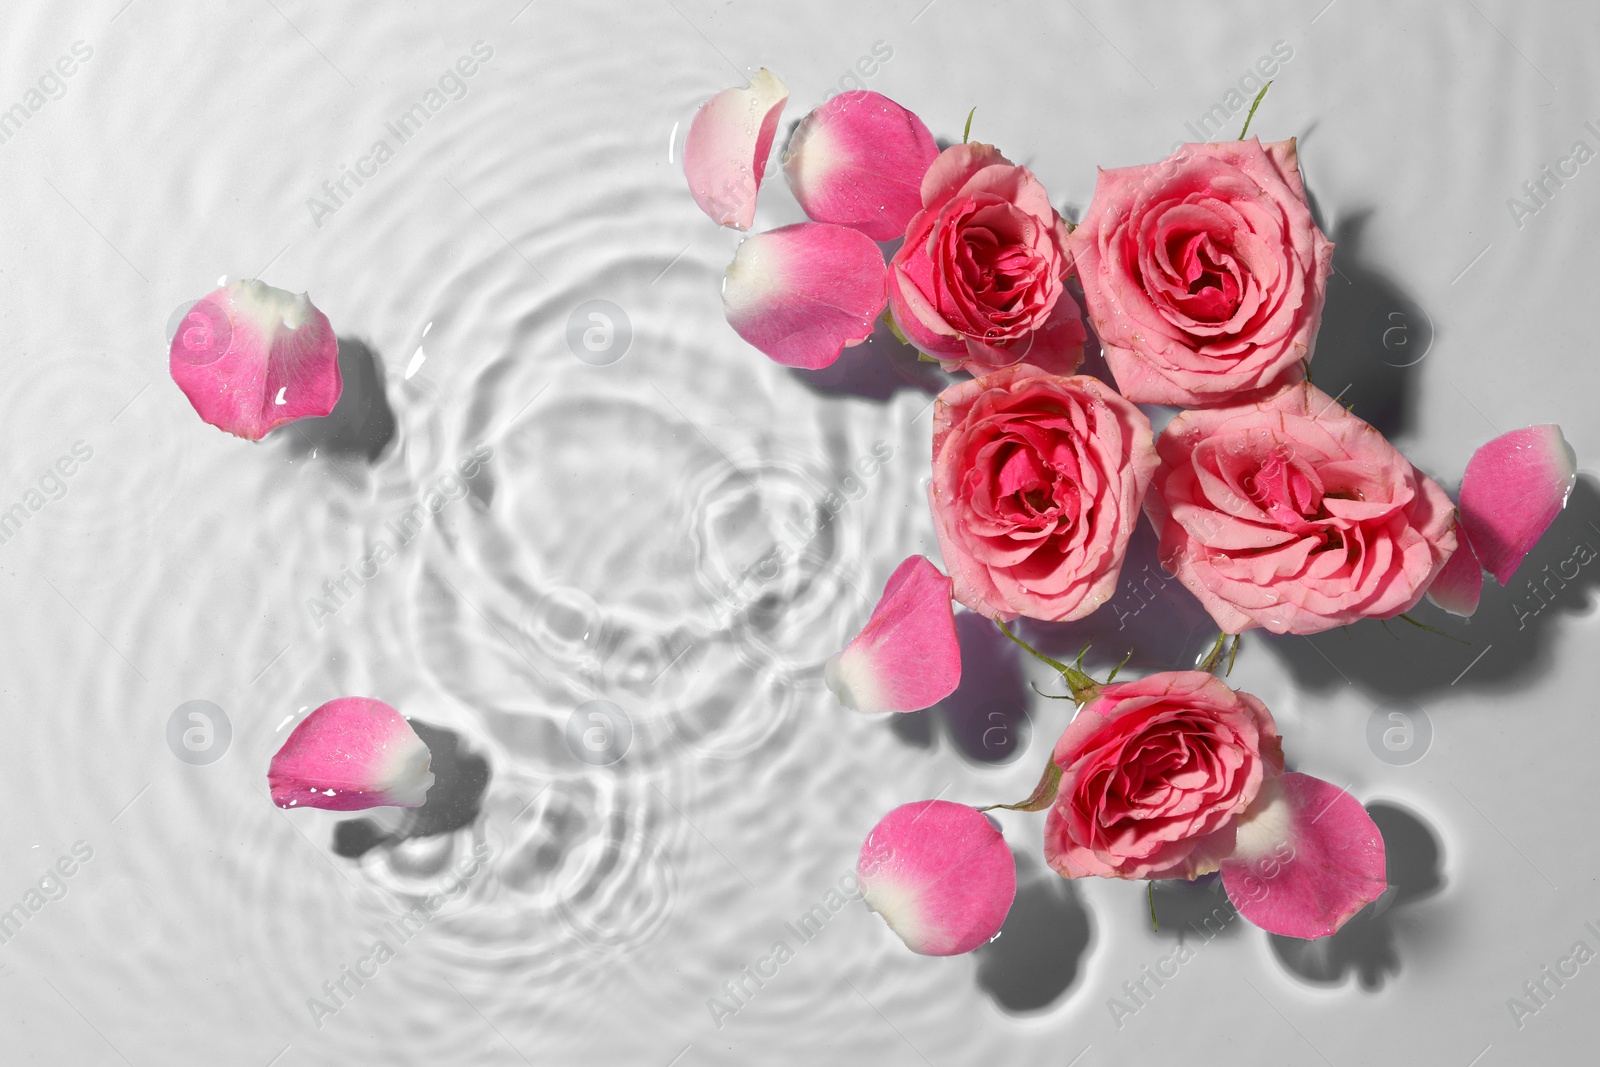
(1209, 276)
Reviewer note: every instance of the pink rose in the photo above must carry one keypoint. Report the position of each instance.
(1154, 774)
(1037, 480)
(1293, 514)
(980, 280)
(1203, 274)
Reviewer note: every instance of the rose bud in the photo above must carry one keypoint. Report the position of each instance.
(1037, 480)
(940, 874)
(980, 282)
(1292, 514)
(250, 357)
(349, 754)
(1204, 275)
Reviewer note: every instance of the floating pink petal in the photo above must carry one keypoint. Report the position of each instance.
(725, 153)
(940, 874)
(250, 357)
(349, 754)
(1308, 858)
(804, 293)
(906, 658)
(858, 160)
(1512, 491)
(1459, 584)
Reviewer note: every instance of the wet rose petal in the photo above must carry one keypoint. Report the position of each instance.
(250, 357)
(1512, 491)
(858, 161)
(1308, 857)
(906, 658)
(1458, 586)
(940, 874)
(725, 152)
(804, 293)
(349, 754)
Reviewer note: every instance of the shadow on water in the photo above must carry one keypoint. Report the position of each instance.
(1511, 630)
(1151, 614)
(1198, 909)
(1367, 945)
(987, 715)
(361, 425)
(1372, 337)
(1041, 947)
(461, 778)
(876, 369)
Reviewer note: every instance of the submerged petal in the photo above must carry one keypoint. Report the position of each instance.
(725, 152)
(906, 658)
(351, 753)
(1308, 858)
(804, 293)
(1513, 489)
(858, 161)
(940, 874)
(250, 357)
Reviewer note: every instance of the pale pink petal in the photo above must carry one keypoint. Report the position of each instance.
(1459, 584)
(1308, 857)
(250, 357)
(1512, 491)
(725, 152)
(906, 658)
(804, 293)
(349, 754)
(940, 874)
(858, 161)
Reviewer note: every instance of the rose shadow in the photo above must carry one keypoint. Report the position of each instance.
(1368, 945)
(461, 778)
(361, 425)
(876, 369)
(1509, 638)
(1041, 948)
(1372, 335)
(1151, 614)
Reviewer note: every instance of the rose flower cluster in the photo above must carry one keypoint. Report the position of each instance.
(1203, 278)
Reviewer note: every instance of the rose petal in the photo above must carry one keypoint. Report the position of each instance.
(1458, 586)
(1308, 858)
(858, 161)
(804, 293)
(940, 874)
(1512, 491)
(250, 357)
(725, 152)
(906, 658)
(349, 754)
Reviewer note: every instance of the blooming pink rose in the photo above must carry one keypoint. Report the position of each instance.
(1204, 274)
(1154, 774)
(1293, 514)
(1037, 480)
(980, 280)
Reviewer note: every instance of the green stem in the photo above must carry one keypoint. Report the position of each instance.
(1150, 892)
(1083, 687)
(1043, 795)
(966, 134)
(1214, 657)
(1432, 630)
(1254, 104)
